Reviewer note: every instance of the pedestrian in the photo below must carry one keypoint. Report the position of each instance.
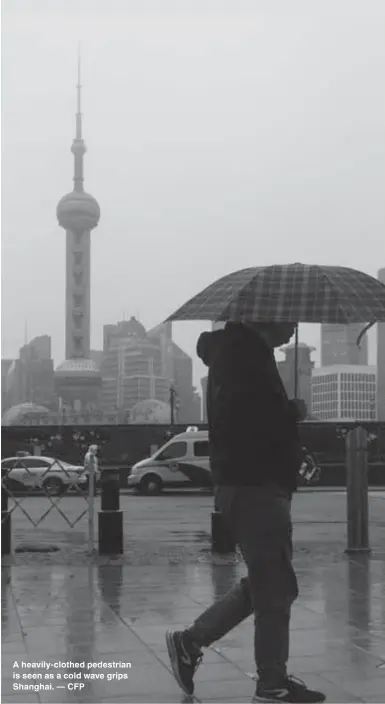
(91, 465)
(255, 457)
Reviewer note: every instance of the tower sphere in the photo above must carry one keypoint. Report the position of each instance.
(78, 211)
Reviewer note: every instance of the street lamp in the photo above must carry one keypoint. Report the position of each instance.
(172, 404)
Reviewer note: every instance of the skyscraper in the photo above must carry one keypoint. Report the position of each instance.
(133, 367)
(305, 366)
(6, 365)
(381, 362)
(339, 344)
(30, 378)
(78, 378)
(344, 392)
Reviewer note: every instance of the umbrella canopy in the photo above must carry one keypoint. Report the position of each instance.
(290, 293)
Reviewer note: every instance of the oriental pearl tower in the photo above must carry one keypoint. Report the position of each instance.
(78, 379)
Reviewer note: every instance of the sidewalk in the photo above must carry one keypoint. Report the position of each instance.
(116, 615)
(66, 609)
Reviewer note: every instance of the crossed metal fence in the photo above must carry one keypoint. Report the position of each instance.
(81, 482)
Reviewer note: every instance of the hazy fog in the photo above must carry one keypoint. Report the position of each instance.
(220, 135)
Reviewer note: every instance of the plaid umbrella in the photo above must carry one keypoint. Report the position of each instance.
(290, 293)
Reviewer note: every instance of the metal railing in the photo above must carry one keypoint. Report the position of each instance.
(51, 478)
(110, 517)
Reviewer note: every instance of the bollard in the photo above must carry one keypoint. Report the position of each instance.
(110, 485)
(91, 509)
(5, 523)
(110, 518)
(357, 491)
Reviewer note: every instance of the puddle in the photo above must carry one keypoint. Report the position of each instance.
(37, 548)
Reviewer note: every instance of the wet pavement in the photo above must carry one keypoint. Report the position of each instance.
(177, 525)
(64, 610)
(114, 616)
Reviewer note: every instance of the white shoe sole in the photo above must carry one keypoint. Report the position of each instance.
(263, 700)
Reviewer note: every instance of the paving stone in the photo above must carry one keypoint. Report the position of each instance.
(118, 610)
(354, 683)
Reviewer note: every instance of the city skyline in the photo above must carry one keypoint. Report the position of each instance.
(179, 166)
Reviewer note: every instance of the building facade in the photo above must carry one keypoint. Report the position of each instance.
(188, 401)
(30, 378)
(78, 379)
(339, 344)
(305, 366)
(141, 366)
(132, 368)
(344, 392)
(381, 362)
(6, 364)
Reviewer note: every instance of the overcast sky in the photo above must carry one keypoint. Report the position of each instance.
(220, 134)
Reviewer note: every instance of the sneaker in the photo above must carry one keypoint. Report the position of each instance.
(184, 659)
(291, 690)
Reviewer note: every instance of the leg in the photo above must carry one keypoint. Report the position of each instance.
(236, 605)
(185, 647)
(264, 532)
(222, 616)
(263, 526)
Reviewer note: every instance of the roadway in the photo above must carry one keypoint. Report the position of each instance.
(180, 520)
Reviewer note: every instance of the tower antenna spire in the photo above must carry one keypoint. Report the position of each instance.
(78, 147)
(79, 99)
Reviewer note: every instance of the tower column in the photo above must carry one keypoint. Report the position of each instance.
(78, 294)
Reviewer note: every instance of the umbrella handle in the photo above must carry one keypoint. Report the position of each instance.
(296, 362)
(362, 333)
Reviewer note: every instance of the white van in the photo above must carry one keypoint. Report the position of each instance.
(182, 462)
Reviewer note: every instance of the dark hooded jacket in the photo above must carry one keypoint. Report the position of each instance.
(253, 430)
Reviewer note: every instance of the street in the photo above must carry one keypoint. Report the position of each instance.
(179, 521)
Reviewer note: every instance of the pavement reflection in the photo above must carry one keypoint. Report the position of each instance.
(114, 615)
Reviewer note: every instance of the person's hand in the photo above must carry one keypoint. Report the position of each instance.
(298, 408)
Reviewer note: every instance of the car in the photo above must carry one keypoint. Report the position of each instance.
(54, 476)
(183, 461)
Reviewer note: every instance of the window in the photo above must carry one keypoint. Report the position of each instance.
(8, 464)
(201, 448)
(173, 451)
(32, 463)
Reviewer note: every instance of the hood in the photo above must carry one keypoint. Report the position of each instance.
(141, 463)
(208, 343)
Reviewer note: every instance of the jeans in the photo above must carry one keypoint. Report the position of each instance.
(260, 519)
